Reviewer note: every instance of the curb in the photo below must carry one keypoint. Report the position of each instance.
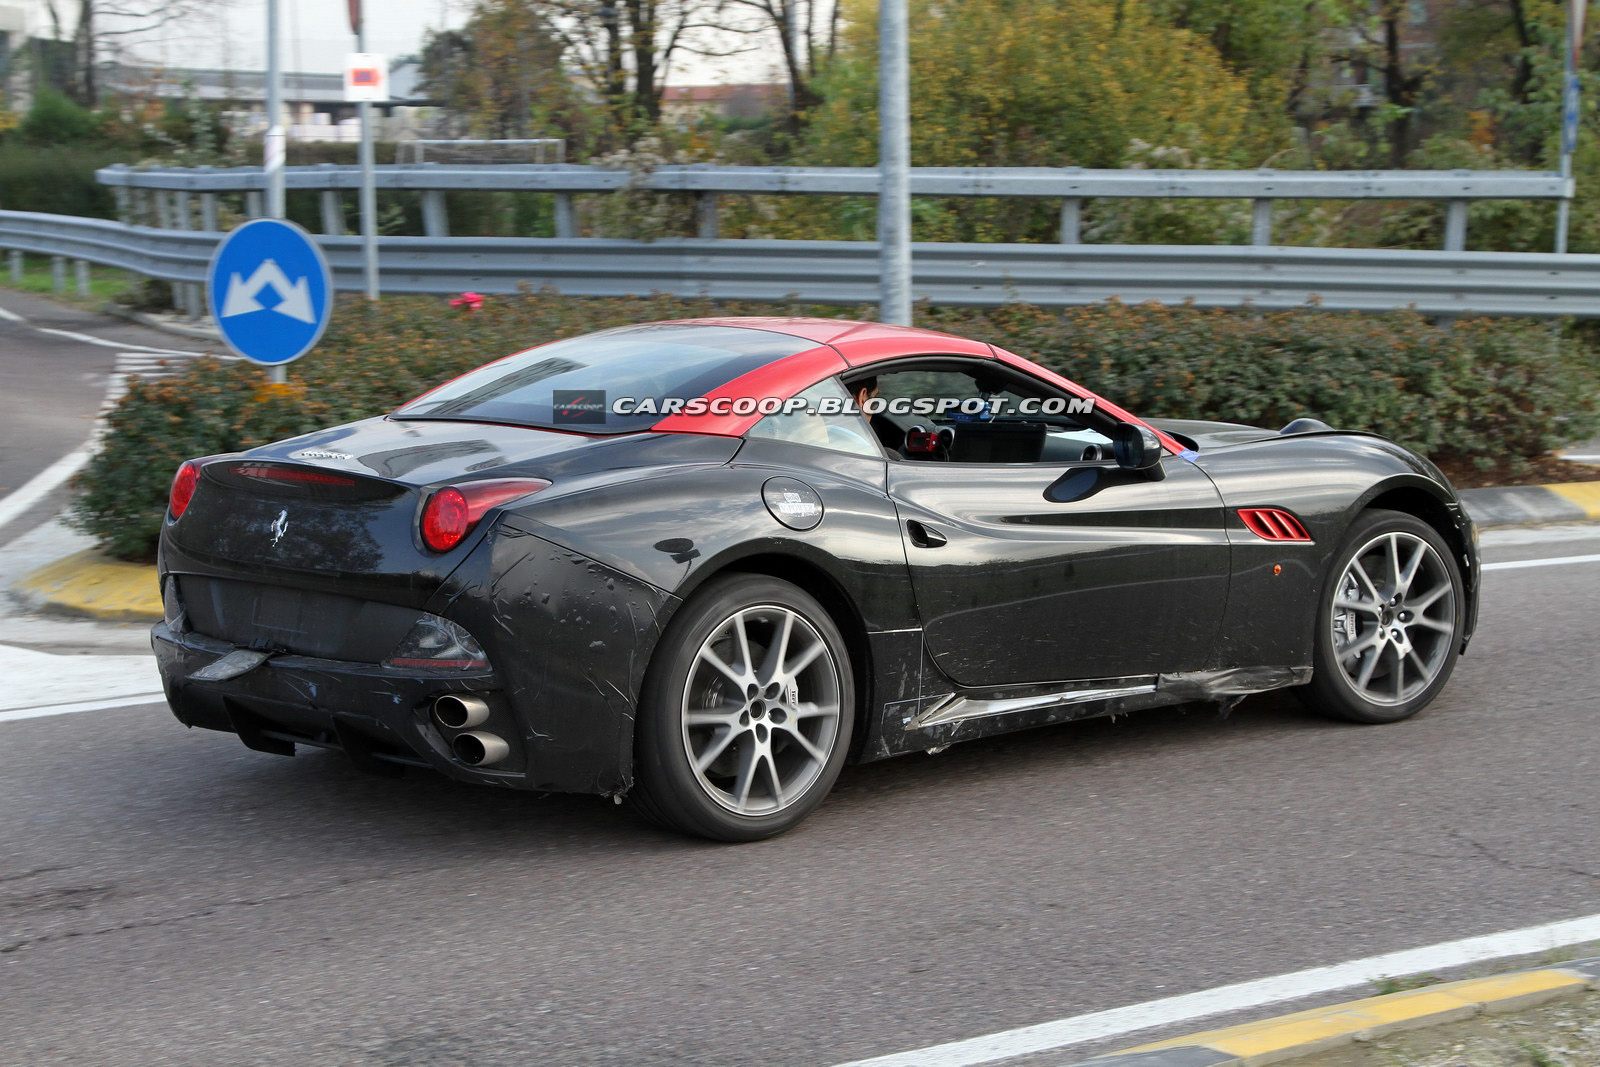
(199, 333)
(91, 584)
(1303, 1033)
(1515, 505)
(97, 586)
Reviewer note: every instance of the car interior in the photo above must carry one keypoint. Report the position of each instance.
(987, 428)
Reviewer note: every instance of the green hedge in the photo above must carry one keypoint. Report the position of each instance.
(55, 178)
(1484, 391)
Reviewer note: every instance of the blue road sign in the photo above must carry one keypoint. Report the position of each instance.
(270, 291)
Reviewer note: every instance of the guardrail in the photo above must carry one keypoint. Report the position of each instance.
(846, 272)
(172, 188)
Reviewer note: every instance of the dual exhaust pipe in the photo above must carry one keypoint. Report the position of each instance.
(465, 712)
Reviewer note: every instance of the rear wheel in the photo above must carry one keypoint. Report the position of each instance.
(746, 713)
(1388, 629)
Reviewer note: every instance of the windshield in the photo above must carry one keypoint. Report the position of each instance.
(581, 383)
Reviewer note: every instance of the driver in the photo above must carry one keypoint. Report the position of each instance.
(887, 432)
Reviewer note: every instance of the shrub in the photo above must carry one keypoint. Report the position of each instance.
(1486, 390)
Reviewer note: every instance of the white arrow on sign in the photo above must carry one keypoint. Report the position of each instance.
(293, 300)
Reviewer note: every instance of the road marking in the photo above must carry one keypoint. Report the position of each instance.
(1096, 1026)
(1582, 457)
(73, 335)
(41, 484)
(11, 316)
(1554, 561)
(46, 710)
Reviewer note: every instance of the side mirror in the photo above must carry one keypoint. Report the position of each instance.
(1137, 448)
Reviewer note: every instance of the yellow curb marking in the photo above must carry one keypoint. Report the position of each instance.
(1584, 494)
(1376, 1015)
(91, 584)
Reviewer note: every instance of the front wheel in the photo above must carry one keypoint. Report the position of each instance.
(1388, 628)
(746, 713)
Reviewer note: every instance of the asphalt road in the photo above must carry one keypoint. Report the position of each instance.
(167, 896)
(54, 387)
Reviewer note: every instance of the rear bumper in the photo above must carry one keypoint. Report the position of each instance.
(568, 639)
(379, 717)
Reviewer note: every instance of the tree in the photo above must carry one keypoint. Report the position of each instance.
(807, 32)
(503, 71)
(101, 26)
(624, 49)
(1002, 83)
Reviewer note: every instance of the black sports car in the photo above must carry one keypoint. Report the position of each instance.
(705, 563)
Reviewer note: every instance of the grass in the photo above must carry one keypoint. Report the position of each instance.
(1387, 985)
(105, 283)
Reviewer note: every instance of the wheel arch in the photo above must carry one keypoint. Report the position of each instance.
(1426, 502)
(814, 579)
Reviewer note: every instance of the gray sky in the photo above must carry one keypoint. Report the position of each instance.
(316, 37)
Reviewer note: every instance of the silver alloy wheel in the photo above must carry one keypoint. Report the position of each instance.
(1394, 618)
(761, 710)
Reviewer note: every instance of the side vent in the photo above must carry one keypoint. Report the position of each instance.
(1273, 524)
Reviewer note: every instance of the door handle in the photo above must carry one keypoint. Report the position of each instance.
(925, 536)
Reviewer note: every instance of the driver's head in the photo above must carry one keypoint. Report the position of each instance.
(865, 389)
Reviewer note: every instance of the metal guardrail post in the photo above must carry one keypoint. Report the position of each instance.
(81, 269)
(58, 274)
(1071, 216)
(253, 205)
(435, 218)
(208, 212)
(17, 266)
(123, 198)
(707, 207)
(163, 210)
(566, 216)
(1261, 222)
(1455, 226)
(332, 212)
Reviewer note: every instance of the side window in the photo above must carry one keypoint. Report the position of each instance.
(978, 414)
(803, 426)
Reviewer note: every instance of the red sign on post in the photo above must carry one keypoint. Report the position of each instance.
(366, 77)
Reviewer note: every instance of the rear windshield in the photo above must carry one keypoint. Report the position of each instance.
(577, 384)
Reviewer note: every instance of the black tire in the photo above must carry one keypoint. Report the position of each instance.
(1410, 651)
(780, 748)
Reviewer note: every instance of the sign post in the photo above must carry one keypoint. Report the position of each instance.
(366, 80)
(270, 292)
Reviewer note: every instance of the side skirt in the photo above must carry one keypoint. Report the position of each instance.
(943, 719)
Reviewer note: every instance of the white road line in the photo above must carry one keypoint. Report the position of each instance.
(89, 339)
(46, 710)
(11, 316)
(1097, 1026)
(41, 484)
(1582, 457)
(1554, 561)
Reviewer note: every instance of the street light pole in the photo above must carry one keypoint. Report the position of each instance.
(369, 192)
(894, 162)
(274, 148)
(1576, 10)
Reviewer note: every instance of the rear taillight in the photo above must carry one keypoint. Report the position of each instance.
(183, 484)
(451, 513)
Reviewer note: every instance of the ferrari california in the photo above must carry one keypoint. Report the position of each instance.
(704, 564)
